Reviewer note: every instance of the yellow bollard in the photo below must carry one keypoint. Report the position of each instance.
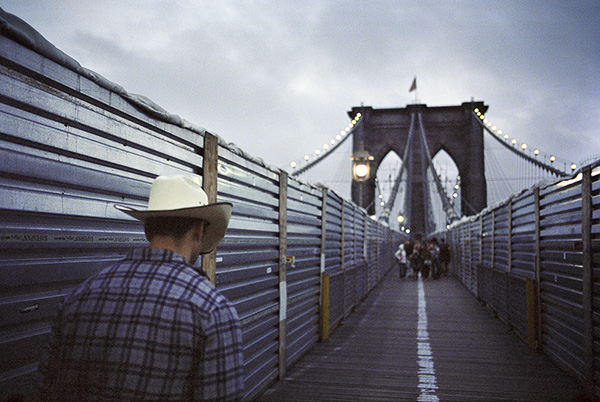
(325, 309)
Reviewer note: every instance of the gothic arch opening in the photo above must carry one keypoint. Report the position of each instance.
(385, 179)
(447, 171)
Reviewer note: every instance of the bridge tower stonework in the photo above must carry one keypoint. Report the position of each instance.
(452, 128)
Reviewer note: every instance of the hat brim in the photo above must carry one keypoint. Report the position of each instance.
(217, 215)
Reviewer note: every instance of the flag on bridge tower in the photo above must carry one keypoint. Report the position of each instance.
(413, 87)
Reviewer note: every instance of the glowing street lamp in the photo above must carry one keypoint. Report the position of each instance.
(361, 167)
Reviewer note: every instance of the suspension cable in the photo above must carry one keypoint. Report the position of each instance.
(330, 150)
(448, 208)
(389, 205)
(528, 158)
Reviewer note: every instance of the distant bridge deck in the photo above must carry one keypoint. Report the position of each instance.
(423, 341)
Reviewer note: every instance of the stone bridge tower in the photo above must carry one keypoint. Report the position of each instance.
(452, 128)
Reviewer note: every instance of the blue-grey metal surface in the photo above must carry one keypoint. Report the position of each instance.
(70, 149)
(475, 255)
(509, 252)
(333, 258)
(561, 273)
(595, 252)
(248, 260)
(362, 282)
(303, 277)
(373, 253)
(501, 245)
(523, 235)
(349, 258)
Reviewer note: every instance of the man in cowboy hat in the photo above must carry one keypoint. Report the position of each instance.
(152, 327)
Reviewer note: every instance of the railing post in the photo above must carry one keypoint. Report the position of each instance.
(210, 163)
(342, 261)
(588, 292)
(493, 238)
(510, 226)
(324, 285)
(325, 309)
(365, 251)
(475, 279)
(481, 239)
(283, 184)
(537, 268)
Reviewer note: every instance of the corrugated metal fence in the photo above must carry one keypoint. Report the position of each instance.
(71, 148)
(536, 261)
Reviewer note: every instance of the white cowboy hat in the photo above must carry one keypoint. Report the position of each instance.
(183, 197)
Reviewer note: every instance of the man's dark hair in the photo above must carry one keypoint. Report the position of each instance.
(171, 227)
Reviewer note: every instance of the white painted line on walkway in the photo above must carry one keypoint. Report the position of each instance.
(427, 378)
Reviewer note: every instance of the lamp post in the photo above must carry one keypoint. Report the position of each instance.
(401, 220)
(361, 169)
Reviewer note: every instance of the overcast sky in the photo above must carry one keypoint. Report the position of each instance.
(278, 77)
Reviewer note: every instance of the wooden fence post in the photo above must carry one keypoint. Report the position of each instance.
(210, 164)
(342, 263)
(283, 185)
(324, 281)
(510, 226)
(537, 269)
(493, 238)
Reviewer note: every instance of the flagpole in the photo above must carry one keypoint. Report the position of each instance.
(413, 87)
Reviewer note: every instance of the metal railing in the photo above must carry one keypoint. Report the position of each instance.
(70, 148)
(532, 259)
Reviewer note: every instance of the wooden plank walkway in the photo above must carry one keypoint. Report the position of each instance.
(414, 340)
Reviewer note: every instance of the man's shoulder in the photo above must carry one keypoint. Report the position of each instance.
(169, 276)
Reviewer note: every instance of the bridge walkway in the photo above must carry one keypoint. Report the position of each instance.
(423, 340)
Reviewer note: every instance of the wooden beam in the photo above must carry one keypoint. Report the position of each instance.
(283, 185)
(210, 164)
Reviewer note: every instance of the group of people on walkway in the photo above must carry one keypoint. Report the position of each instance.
(423, 257)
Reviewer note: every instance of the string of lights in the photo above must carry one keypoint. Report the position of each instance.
(505, 140)
(327, 150)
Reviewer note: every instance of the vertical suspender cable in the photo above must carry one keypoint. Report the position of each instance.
(392, 198)
(448, 208)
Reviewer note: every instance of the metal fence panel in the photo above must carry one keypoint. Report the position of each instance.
(550, 247)
(303, 277)
(595, 261)
(362, 280)
(561, 273)
(373, 253)
(71, 147)
(69, 151)
(501, 245)
(517, 304)
(333, 246)
(487, 240)
(349, 258)
(523, 236)
(475, 252)
(248, 260)
(500, 293)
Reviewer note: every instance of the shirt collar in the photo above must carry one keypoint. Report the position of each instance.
(162, 256)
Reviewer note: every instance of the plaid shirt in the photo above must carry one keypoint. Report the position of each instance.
(149, 328)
